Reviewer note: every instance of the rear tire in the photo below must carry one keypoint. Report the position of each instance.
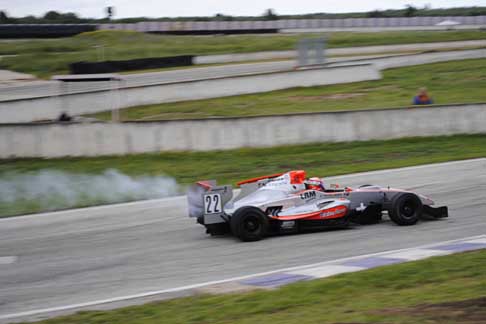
(249, 224)
(406, 209)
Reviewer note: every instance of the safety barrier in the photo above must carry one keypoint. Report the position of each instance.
(130, 65)
(96, 139)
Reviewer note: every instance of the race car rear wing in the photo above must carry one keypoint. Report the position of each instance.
(207, 195)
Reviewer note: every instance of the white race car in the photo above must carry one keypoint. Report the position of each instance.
(289, 202)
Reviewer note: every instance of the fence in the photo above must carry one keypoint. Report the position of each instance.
(180, 26)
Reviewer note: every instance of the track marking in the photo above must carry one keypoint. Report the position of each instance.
(8, 259)
(417, 254)
(309, 267)
(330, 270)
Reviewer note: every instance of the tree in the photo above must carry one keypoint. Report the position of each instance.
(69, 18)
(52, 15)
(4, 19)
(270, 15)
(410, 11)
(375, 14)
(30, 19)
(222, 17)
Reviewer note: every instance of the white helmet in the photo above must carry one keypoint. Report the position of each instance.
(314, 183)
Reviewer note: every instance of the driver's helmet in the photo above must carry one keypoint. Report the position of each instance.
(314, 183)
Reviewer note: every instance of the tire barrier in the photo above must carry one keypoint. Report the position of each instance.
(44, 31)
(130, 65)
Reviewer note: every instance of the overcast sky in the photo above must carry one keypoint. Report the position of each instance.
(175, 8)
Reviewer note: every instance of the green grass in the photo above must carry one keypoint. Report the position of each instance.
(47, 57)
(448, 83)
(323, 159)
(392, 294)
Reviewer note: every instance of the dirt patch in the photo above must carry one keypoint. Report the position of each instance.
(471, 311)
(336, 96)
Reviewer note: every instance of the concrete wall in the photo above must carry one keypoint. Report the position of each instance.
(94, 139)
(26, 110)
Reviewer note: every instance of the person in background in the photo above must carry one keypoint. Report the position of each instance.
(422, 98)
(64, 117)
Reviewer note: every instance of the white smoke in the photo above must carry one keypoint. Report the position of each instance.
(50, 190)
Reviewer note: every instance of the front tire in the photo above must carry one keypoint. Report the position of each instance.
(406, 209)
(249, 224)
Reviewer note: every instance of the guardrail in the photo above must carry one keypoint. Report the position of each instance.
(97, 139)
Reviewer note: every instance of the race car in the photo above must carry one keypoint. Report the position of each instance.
(290, 203)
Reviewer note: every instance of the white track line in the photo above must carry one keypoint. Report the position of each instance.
(209, 283)
(8, 260)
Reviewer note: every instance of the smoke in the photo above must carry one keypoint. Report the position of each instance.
(195, 201)
(50, 190)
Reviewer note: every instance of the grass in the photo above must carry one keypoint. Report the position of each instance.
(413, 292)
(233, 165)
(47, 57)
(448, 83)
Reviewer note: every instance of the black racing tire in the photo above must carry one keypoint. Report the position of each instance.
(406, 209)
(249, 224)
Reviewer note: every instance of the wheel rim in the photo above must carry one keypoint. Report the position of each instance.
(251, 224)
(408, 209)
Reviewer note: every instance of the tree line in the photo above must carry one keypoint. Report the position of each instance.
(54, 17)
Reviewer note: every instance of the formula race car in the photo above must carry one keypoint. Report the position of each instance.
(290, 203)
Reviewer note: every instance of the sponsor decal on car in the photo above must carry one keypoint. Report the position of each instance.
(288, 225)
(308, 195)
(334, 212)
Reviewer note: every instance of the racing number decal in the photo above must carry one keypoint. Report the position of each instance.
(212, 204)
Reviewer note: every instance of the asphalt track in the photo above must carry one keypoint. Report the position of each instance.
(37, 89)
(80, 256)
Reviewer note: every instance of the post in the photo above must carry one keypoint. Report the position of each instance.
(115, 109)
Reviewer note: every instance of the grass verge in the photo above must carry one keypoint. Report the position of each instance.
(449, 289)
(323, 159)
(47, 57)
(448, 83)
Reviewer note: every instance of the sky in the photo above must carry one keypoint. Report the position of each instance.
(179, 8)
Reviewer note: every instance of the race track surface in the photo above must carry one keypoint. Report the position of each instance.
(98, 253)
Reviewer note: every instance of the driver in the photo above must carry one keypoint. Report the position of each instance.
(314, 183)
